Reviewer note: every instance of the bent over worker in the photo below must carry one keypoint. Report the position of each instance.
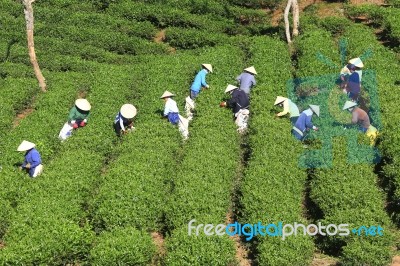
(171, 112)
(78, 116)
(247, 80)
(123, 122)
(361, 118)
(239, 102)
(289, 107)
(200, 81)
(345, 71)
(304, 122)
(32, 162)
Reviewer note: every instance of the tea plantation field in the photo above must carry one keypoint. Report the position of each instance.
(104, 200)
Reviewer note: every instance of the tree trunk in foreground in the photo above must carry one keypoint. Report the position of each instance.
(28, 10)
(286, 17)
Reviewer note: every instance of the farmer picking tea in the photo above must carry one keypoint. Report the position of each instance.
(239, 102)
(77, 118)
(32, 162)
(289, 107)
(171, 112)
(361, 118)
(123, 122)
(200, 81)
(304, 122)
(246, 80)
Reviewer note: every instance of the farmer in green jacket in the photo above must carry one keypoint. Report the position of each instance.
(78, 116)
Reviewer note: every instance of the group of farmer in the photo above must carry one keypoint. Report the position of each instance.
(239, 102)
(350, 77)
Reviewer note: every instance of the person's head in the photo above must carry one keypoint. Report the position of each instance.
(230, 88)
(280, 100)
(128, 111)
(26, 146)
(166, 95)
(251, 70)
(207, 67)
(83, 105)
(352, 68)
(349, 106)
(315, 109)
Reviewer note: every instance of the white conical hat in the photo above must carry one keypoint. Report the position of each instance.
(230, 88)
(25, 146)
(279, 99)
(357, 62)
(128, 111)
(251, 70)
(349, 104)
(208, 67)
(83, 104)
(166, 94)
(315, 109)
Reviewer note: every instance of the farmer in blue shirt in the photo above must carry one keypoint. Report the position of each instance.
(200, 81)
(33, 162)
(304, 122)
(123, 122)
(247, 80)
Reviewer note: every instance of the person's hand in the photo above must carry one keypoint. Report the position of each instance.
(82, 124)
(208, 86)
(20, 168)
(75, 125)
(222, 104)
(28, 166)
(316, 129)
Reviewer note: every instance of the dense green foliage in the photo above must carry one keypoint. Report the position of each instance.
(101, 198)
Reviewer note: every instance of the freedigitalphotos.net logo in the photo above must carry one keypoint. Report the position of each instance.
(280, 230)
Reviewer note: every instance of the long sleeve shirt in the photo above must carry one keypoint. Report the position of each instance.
(123, 122)
(289, 107)
(33, 158)
(360, 117)
(354, 84)
(76, 114)
(170, 107)
(199, 81)
(246, 81)
(239, 100)
(346, 71)
(304, 120)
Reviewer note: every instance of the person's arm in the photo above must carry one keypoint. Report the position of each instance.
(166, 108)
(87, 117)
(72, 115)
(309, 123)
(121, 123)
(354, 118)
(238, 78)
(253, 80)
(203, 80)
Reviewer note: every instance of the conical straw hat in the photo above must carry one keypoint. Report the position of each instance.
(279, 99)
(208, 67)
(167, 94)
(348, 105)
(83, 104)
(357, 62)
(25, 146)
(315, 109)
(230, 88)
(128, 111)
(251, 70)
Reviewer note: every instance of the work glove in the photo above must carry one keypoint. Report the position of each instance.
(222, 104)
(316, 129)
(75, 125)
(28, 166)
(82, 124)
(207, 87)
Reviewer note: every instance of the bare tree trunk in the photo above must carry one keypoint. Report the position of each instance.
(286, 17)
(295, 10)
(28, 10)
